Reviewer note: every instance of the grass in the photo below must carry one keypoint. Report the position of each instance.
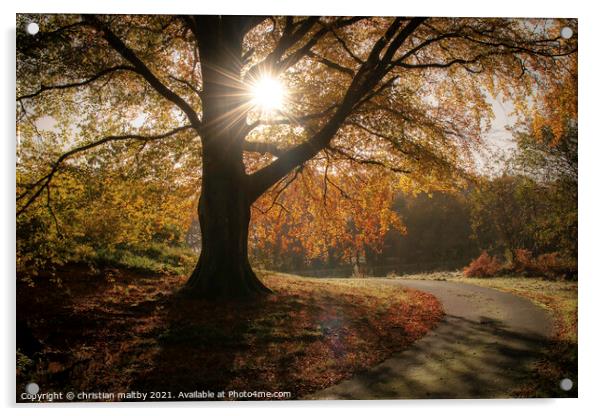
(123, 330)
(559, 360)
(154, 258)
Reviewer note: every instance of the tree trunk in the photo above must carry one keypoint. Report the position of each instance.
(223, 269)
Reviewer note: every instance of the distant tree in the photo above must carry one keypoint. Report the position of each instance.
(533, 205)
(437, 236)
(505, 211)
(553, 162)
(407, 95)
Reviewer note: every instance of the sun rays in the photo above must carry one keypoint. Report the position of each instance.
(262, 97)
(268, 95)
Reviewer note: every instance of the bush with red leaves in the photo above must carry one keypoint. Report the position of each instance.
(483, 266)
(550, 265)
(523, 263)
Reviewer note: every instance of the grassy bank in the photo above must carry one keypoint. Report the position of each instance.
(149, 258)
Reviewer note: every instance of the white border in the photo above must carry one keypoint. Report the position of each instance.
(590, 153)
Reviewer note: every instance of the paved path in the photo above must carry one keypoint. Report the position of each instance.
(482, 349)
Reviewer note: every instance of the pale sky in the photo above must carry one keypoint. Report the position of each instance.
(498, 140)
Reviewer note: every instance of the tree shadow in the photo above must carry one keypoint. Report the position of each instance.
(212, 347)
(462, 358)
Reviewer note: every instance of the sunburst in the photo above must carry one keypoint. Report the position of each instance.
(268, 95)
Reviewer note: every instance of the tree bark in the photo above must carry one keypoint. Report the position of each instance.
(223, 269)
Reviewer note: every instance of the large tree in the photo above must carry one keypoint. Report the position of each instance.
(409, 96)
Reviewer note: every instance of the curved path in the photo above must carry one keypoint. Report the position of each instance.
(483, 348)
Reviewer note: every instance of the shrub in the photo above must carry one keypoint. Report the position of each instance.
(550, 265)
(523, 262)
(553, 265)
(483, 266)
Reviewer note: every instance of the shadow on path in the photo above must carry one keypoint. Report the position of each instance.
(483, 348)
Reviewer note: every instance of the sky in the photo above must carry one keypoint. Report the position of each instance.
(498, 140)
(499, 136)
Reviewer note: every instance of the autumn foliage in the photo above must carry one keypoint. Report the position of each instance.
(483, 266)
(110, 149)
(522, 263)
(134, 129)
(318, 215)
(138, 334)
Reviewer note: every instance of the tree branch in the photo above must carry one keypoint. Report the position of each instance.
(331, 64)
(286, 41)
(367, 76)
(361, 161)
(144, 71)
(91, 79)
(275, 61)
(285, 185)
(377, 91)
(508, 49)
(43, 182)
(197, 91)
(346, 47)
(300, 120)
(262, 147)
(396, 144)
